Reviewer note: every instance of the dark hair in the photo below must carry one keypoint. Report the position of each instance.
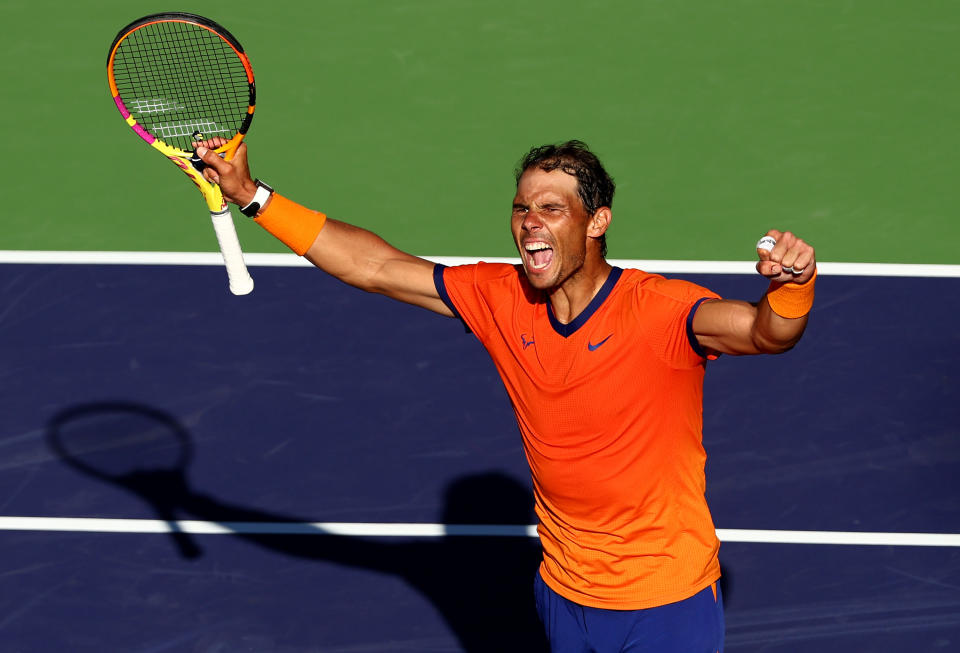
(594, 186)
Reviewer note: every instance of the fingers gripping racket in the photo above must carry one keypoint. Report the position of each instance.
(177, 79)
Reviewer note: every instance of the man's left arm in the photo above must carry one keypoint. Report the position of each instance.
(775, 323)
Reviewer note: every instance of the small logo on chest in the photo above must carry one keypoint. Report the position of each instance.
(595, 347)
(523, 339)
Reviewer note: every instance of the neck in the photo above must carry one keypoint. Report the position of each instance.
(574, 294)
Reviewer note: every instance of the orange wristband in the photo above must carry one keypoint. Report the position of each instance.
(294, 225)
(791, 300)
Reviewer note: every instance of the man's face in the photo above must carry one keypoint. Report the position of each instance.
(550, 225)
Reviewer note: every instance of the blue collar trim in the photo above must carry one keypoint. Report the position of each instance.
(567, 330)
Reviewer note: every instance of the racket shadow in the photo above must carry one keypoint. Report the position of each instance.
(482, 586)
(141, 449)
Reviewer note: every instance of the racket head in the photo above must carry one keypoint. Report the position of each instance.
(177, 78)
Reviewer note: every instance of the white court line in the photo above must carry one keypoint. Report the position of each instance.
(96, 525)
(292, 260)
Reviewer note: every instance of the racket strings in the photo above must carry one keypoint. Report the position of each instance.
(176, 78)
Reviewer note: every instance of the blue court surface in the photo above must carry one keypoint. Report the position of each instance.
(150, 393)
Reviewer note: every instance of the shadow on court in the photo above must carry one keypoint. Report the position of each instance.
(483, 586)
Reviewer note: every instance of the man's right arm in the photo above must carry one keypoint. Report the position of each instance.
(353, 255)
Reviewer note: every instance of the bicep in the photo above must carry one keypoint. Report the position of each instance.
(410, 279)
(726, 326)
(735, 327)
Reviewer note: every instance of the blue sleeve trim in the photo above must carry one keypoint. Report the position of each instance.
(691, 336)
(442, 289)
(444, 296)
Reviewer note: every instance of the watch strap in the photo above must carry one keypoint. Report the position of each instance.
(259, 200)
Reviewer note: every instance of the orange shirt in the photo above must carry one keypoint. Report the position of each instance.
(610, 412)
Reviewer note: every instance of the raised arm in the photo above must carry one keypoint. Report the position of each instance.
(353, 255)
(775, 323)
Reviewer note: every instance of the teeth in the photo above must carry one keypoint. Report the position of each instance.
(534, 248)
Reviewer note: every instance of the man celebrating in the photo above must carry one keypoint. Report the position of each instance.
(604, 368)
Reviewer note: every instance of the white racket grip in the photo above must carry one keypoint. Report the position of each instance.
(241, 283)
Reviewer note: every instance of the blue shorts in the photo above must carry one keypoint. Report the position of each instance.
(694, 625)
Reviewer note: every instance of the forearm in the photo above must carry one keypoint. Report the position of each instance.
(782, 316)
(353, 255)
(358, 257)
(773, 334)
(349, 253)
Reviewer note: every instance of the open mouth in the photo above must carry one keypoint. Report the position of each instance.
(539, 255)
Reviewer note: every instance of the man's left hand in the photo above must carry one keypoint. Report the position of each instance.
(790, 261)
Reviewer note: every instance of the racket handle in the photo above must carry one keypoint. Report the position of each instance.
(241, 283)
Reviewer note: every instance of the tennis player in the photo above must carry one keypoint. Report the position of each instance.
(604, 367)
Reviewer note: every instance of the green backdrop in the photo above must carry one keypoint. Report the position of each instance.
(836, 119)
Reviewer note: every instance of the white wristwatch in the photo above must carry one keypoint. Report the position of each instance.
(259, 200)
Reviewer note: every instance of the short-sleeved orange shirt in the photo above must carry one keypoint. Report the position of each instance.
(610, 413)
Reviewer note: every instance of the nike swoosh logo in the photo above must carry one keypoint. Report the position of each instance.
(597, 346)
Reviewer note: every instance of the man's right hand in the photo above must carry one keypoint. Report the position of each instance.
(232, 176)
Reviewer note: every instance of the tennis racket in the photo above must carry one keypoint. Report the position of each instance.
(177, 79)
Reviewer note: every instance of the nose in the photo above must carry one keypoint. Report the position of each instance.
(532, 221)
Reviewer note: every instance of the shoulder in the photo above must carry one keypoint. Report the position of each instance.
(484, 282)
(664, 309)
(475, 292)
(499, 272)
(657, 288)
(481, 273)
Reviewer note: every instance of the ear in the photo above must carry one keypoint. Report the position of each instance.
(599, 222)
